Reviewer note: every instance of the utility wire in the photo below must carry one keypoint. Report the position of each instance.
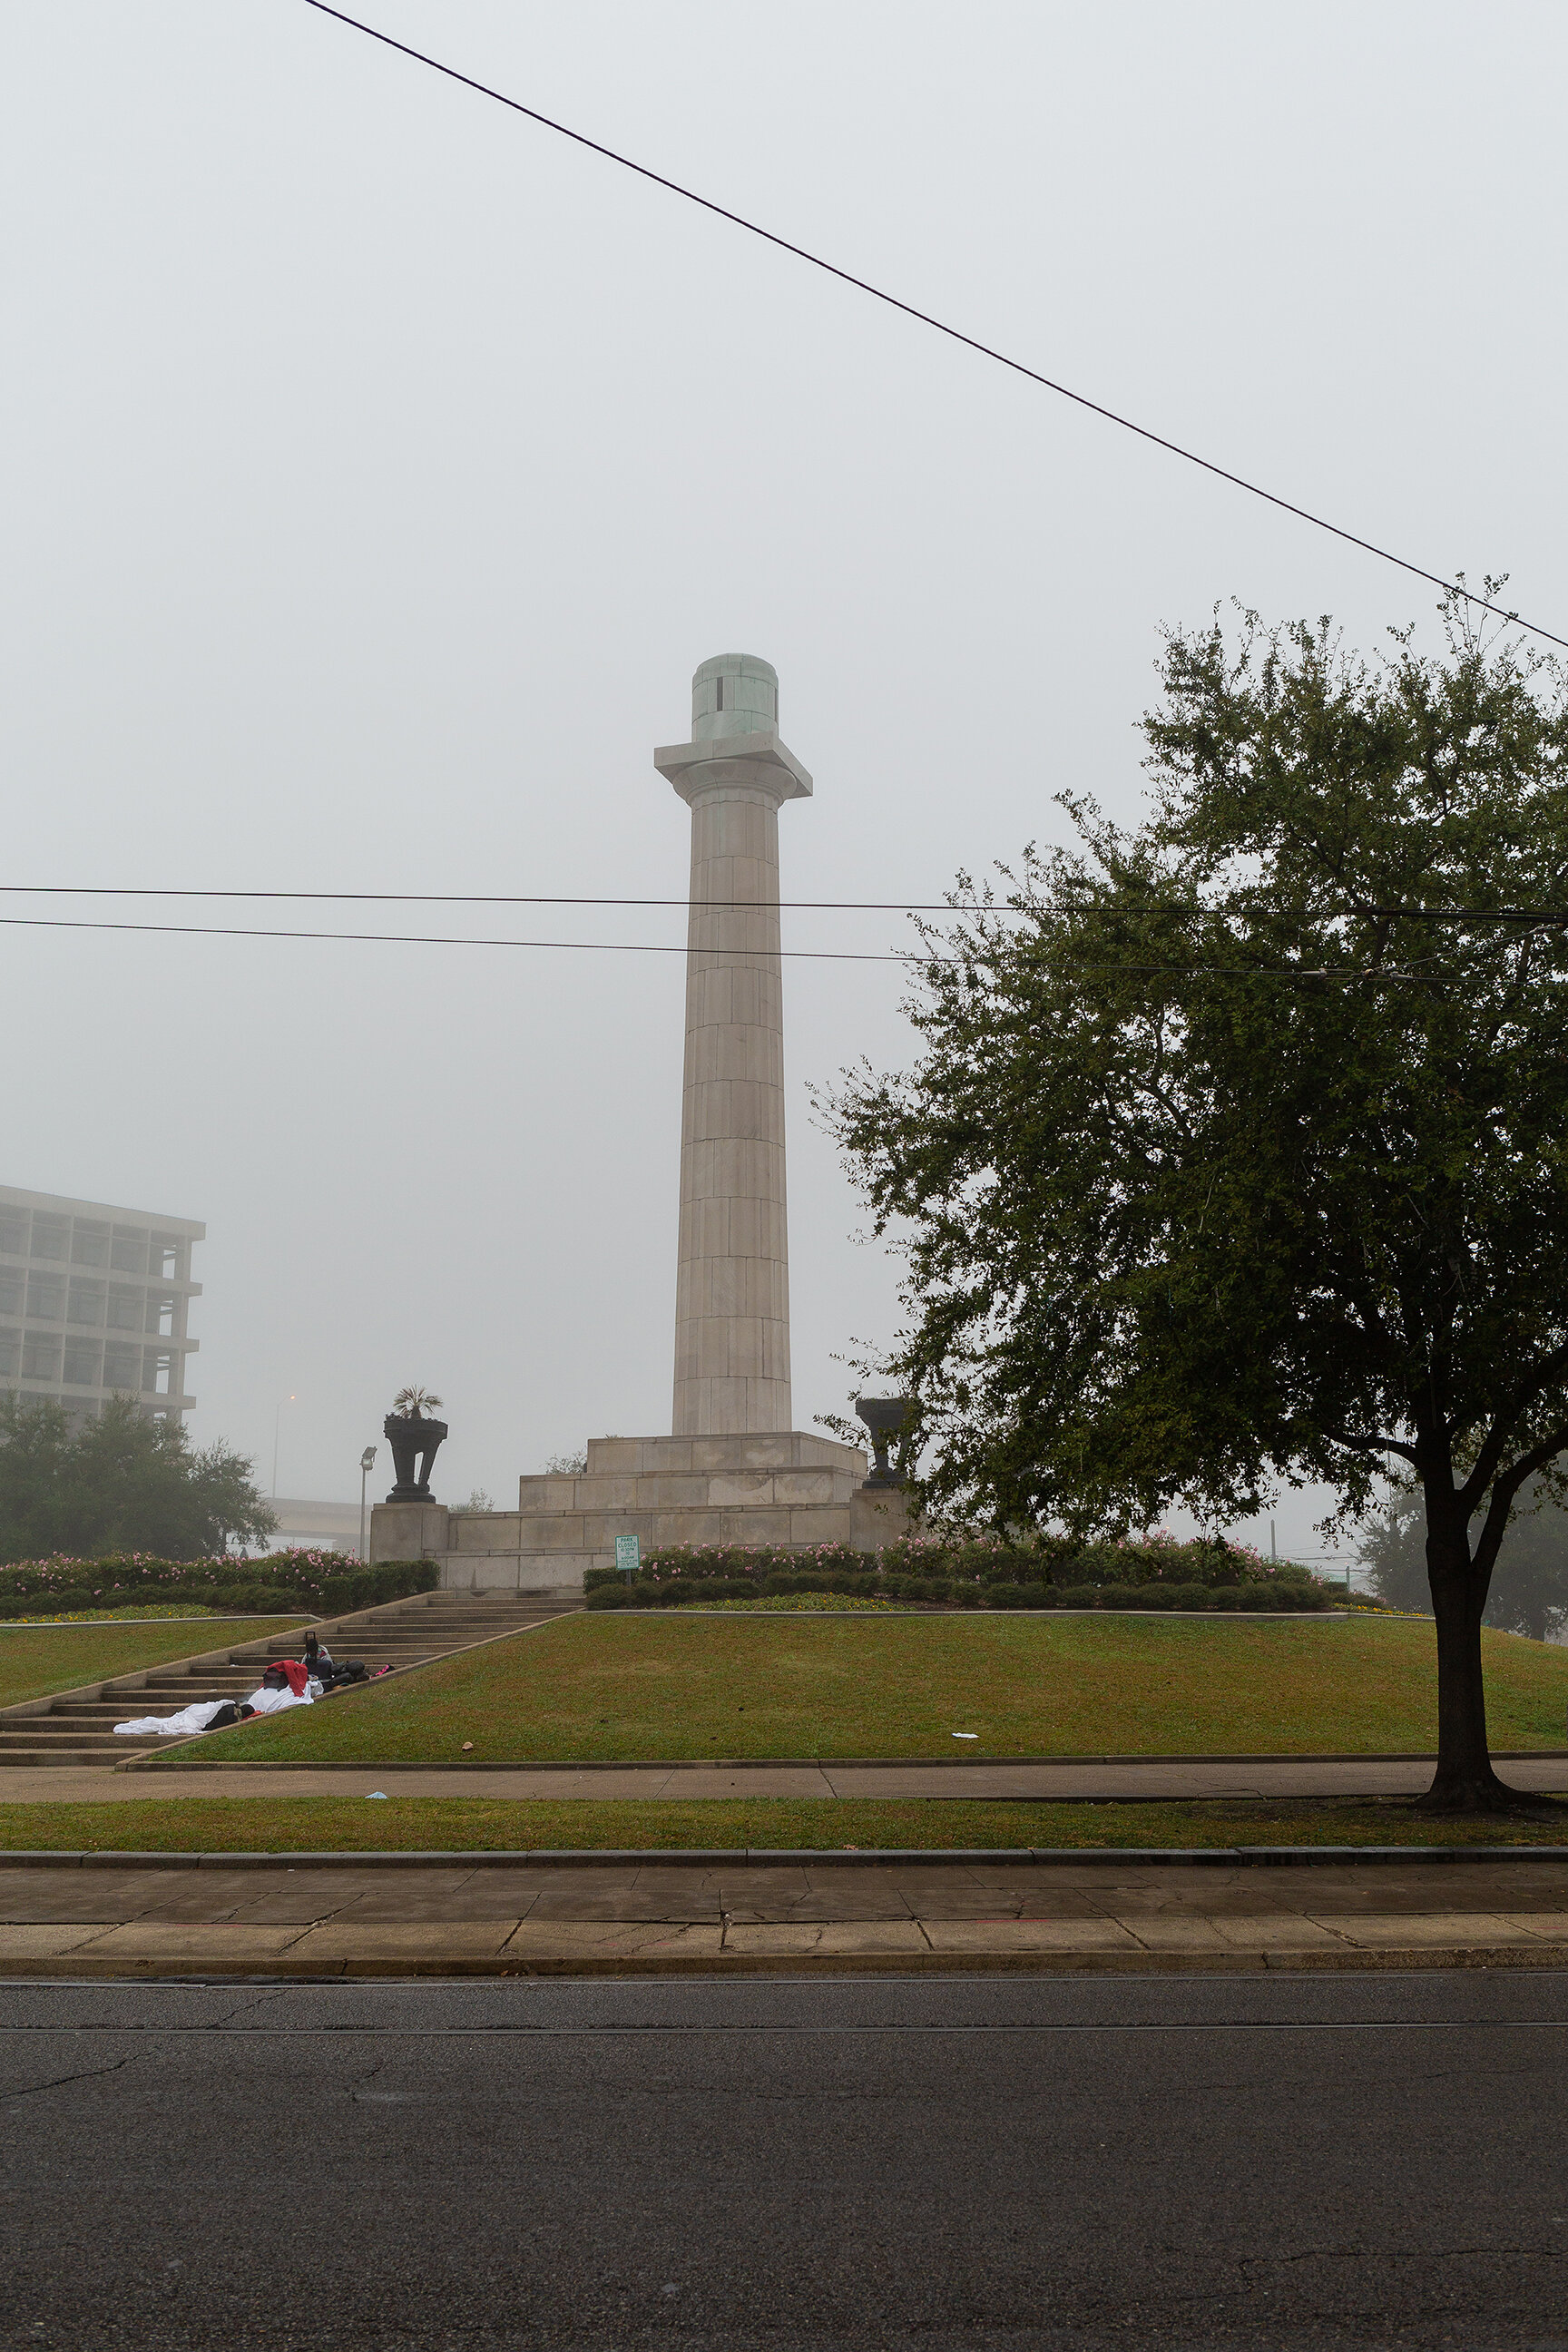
(494, 898)
(435, 940)
(810, 906)
(909, 958)
(925, 318)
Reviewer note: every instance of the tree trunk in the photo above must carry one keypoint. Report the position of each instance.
(1464, 1781)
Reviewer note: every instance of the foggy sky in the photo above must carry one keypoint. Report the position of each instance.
(378, 467)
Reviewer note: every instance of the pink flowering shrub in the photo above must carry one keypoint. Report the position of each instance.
(323, 1581)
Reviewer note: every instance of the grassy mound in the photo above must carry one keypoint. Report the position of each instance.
(751, 1684)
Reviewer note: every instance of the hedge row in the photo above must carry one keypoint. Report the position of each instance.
(1055, 1565)
(321, 1583)
(960, 1593)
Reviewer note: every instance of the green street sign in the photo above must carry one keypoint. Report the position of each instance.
(629, 1555)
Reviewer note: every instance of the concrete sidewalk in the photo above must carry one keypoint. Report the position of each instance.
(152, 1916)
(1076, 1780)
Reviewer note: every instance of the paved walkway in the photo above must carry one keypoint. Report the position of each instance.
(337, 1919)
(1281, 1776)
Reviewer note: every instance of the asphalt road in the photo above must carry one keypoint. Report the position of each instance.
(758, 2167)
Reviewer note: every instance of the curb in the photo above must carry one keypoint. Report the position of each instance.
(989, 1761)
(711, 1969)
(1266, 1857)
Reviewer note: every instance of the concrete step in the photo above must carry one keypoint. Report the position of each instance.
(210, 1685)
(72, 1719)
(399, 1635)
(46, 1739)
(92, 1756)
(41, 1743)
(102, 1737)
(93, 1716)
(439, 1629)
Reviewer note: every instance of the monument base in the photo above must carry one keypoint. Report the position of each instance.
(408, 1530)
(784, 1487)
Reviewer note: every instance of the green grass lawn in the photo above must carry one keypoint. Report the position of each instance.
(35, 1660)
(423, 1824)
(628, 1687)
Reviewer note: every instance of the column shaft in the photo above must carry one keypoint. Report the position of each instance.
(731, 1313)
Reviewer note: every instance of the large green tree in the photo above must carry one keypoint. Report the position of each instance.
(1234, 1150)
(120, 1484)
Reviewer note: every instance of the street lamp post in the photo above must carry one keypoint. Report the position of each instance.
(366, 1465)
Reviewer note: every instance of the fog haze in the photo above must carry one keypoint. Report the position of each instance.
(379, 465)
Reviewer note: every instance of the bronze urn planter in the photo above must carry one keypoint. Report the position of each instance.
(413, 1441)
(886, 1418)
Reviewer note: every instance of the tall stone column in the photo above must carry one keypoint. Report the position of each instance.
(731, 1307)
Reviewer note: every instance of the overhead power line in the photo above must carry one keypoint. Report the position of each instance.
(909, 957)
(808, 906)
(495, 898)
(926, 318)
(436, 940)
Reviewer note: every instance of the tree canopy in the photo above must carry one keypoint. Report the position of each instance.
(122, 1484)
(1233, 1152)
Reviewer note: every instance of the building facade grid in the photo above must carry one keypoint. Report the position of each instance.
(94, 1303)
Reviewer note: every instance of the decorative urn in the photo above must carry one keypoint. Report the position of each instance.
(414, 1437)
(884, 1417)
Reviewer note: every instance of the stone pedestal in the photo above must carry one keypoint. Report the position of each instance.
(409, 1532)
(758, 1487)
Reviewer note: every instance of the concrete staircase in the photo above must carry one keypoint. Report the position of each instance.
(79, 1727)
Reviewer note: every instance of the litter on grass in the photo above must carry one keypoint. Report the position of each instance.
(966, 1735)
(377, 1792)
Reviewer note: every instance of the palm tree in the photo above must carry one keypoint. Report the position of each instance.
(415, 1403)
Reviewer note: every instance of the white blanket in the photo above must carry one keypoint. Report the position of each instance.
(197, 1717)
(189, 1719)
(271, 1702)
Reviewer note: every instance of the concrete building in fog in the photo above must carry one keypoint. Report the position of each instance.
(305, 1526)
(95, 1302)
